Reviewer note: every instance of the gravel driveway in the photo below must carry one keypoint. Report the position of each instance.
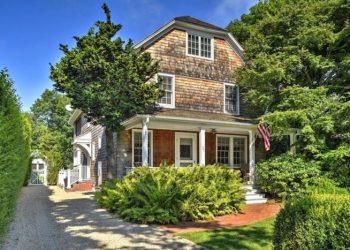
(50, 218)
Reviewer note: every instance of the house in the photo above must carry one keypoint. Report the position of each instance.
(201, 118)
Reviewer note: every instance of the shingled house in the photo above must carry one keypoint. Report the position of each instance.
(201, 119)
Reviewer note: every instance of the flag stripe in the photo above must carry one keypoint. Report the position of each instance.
(265, 133)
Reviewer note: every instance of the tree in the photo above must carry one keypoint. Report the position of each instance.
(15, 136)
(298, 70)
(106, 78)
(51, 131)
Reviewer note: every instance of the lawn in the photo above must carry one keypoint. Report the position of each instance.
(255, 236)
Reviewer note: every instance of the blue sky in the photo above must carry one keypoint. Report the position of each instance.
(31, 31)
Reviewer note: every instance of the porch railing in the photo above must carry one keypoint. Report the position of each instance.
(72, 176)
(67, 177)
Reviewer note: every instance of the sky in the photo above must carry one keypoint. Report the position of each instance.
(31, 31)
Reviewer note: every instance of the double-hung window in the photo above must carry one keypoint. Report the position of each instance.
(167, 85)
(137, 148)
(200, 46)
(231, 150)
(231, 101)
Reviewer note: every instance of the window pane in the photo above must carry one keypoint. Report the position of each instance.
(223, 150)
(230, 99)
(185, 149)
(238, 151)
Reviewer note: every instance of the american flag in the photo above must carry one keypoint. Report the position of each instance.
(265, 133)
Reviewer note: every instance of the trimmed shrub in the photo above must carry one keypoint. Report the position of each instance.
(286, 175)
(316, 221)
(166, 194)
(15, 136)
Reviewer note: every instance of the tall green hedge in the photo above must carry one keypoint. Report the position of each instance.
(315, 221)
(15, 136)
(167, 195)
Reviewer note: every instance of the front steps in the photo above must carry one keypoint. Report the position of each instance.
(253, 196)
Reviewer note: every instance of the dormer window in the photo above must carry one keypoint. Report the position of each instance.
(231, 99)
(167, 85)
(200, 46)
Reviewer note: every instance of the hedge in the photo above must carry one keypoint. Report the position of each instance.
(168, 195)
(315, 221)
(15, 136)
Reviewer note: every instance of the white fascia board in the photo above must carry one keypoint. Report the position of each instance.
(156, 34)
(74, 116)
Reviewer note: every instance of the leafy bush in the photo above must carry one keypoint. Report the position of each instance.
(324, 185)
(15, 134)
(316, 221)
(285, 175)
(167, 195)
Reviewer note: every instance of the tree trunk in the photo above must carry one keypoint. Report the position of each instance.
(111, 155)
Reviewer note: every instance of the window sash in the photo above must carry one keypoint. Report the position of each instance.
(231, 150)
(167, 86)
(137, 148)
(231, 98)
(200, 46)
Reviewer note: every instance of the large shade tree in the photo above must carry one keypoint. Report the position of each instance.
(298, 73)
(51, 137)
(107, 78)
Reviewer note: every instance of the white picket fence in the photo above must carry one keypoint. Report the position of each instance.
(67, 177)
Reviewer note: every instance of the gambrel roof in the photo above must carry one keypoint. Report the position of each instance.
(190, 23)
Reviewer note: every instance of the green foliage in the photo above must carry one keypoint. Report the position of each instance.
(286, 175)
(15, 134)
(106, 78)
(297, 74)
(51, 132)
(167, 195)
(324, 185)
(316, 221)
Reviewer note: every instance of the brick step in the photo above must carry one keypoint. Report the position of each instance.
(81, 186)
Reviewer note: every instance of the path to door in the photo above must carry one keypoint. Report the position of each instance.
(50, 218)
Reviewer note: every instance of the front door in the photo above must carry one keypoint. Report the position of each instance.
(185, 149)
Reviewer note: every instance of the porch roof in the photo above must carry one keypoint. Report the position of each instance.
(176, 116)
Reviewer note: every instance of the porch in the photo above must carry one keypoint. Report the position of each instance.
(190, 137)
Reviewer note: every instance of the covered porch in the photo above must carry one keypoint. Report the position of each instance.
(185, 138)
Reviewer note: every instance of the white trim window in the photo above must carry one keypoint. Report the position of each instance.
(231, 98)
(231, 150)
(137, 148)
(167, 85)
(199, 45)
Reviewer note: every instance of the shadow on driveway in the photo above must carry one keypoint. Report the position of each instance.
(50, 218)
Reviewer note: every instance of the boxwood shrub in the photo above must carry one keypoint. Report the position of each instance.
(314, 221)
(286, 175)
(168, 195)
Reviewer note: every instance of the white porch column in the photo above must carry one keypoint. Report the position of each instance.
(68, 179)
(252, 155)
(292, 139)
(202, 146)
(145, 141)
(79, 164)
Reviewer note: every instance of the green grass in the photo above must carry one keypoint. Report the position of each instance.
(255, 236)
